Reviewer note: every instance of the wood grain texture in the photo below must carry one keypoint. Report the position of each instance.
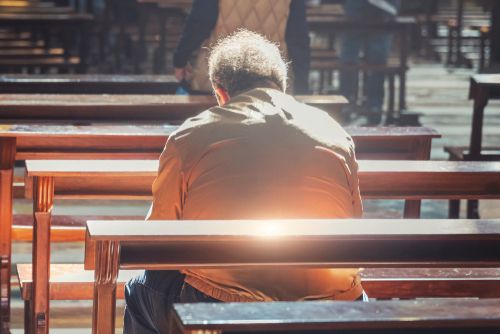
(146, 140)
(336, 243)
(378, 179)
(126, 107)
(429, 316)
(72, 282)
(87, 84)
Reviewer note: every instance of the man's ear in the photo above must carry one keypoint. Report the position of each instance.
(222, 95)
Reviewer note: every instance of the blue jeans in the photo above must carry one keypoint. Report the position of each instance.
(377, 46)
(150, 296)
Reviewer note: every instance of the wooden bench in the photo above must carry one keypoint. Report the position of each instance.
(6, 45)
(423, 317)
(43, 63)
(125, 179)
(248, 244)
(87, 84)
(30, 53)
(127, 107)
(483, 88)
(62, 22)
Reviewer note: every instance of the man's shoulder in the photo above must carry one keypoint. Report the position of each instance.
(319, 125)
(203, 119)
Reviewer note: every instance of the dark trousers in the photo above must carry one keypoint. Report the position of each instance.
(376, 46)
(150, 296)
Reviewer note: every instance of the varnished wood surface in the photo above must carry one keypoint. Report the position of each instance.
(485, 86)
(72, 282)
(104, 168)
(378, 179)
(146, 140)
(304, 243)
(61, 128)
(87, 84)
(68, 281)
(125, 107)
(428, 316)
(36, 9)
(26, 3)
(386, 283)
(43, 18)
(63, 228)
(335, 229)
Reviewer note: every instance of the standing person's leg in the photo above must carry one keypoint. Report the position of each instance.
(378, 48)
(351, 44)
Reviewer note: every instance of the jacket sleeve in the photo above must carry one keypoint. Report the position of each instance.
(168, 187)
(297, 39)
(199, 25)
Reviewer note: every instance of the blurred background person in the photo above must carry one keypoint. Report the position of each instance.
(376, 46)
(281, 21)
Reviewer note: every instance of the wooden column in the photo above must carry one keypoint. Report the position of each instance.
(106, 273)
(422, 152)
(7, 158)
(43, 200)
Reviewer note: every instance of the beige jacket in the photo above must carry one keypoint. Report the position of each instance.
(261, 156)
(263, 16)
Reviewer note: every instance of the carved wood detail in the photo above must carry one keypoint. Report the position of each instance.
(43, 200)
(7, 158)
(106, 274)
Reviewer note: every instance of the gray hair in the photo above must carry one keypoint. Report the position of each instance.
(245, 60)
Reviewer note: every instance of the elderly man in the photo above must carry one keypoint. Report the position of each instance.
(260, 154)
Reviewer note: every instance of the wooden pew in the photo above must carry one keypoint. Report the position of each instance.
(132, 180)
(482, 89)
(127, 107)
(377, 178)
(87, 84)
(126, 179)
(67, 22)
(66, 140)
(248, 244)
(423, 317)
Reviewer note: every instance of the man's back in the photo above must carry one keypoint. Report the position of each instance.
(263, 156)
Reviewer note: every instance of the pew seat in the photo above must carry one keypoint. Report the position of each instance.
(388, 317)
(73, 282)
(31, 53)
(461, 153)
(39, 62)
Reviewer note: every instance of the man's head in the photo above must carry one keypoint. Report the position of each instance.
(242, 61)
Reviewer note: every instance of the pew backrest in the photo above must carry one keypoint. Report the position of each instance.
(310, 243)
(378, 179)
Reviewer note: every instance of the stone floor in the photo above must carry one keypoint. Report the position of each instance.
(441, 97)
